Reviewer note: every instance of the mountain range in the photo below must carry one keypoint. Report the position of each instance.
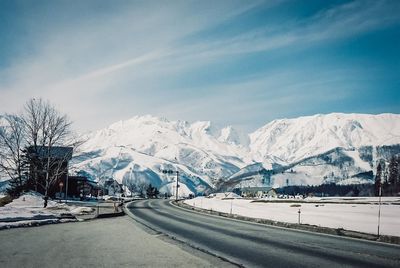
(309, 150)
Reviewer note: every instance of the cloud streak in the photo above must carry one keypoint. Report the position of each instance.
(131, 59)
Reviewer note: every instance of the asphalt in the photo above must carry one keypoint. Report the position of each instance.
(111, 242)
(257, 245)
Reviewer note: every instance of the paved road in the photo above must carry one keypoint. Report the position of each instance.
(255, 245)
(113, 242)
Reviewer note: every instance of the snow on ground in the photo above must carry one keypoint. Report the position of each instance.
(356, 214)
(226, 195)
(28, 209)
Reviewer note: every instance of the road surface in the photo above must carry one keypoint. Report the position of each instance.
(256, 245)
(113, 242)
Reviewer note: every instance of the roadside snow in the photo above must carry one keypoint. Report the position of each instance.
(356, 214)
(226, 195)
(28, 210)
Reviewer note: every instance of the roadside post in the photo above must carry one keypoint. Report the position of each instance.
(299, 212)
(379, 208)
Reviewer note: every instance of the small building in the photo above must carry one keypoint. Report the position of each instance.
(80, 187)
(257, 192)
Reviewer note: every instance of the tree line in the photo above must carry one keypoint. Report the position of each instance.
(387, 183)
(387, 179)
(328, 189)
(27, 144)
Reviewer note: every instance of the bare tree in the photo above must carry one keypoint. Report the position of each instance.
(12, 142)
(46, 129)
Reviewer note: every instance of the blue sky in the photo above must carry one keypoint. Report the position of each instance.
(241, 63)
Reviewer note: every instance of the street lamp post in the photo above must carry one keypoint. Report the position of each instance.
(177, 184)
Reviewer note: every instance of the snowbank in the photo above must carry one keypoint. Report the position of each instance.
(226, 195)
(28, 210)
(350, 214)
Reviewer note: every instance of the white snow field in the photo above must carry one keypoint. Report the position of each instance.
(346, 213)
(28, 209)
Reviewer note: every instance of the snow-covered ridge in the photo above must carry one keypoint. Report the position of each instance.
(149, 134)
(295, 139)
(137, 149)
(320, 131)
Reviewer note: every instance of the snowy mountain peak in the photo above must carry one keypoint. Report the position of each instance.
(294, 139)
(233, 136)
(204, 127)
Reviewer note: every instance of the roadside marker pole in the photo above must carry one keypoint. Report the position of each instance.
(379, 208)
(299, 215)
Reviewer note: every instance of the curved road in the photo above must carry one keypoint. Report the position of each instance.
(256, 245)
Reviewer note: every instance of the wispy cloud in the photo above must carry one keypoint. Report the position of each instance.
(131, 59)
(338, 22)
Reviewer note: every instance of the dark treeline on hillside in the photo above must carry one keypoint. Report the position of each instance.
(329, 190)
(387, 179)
(387, 183)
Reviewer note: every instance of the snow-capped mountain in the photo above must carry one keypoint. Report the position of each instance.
(295, 139)
(311, 150)
(137, 150)
(305, 150)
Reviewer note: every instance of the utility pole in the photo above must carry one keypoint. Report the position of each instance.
(169, 171)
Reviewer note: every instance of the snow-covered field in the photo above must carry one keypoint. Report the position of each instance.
(28, 210)
(356, 214)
